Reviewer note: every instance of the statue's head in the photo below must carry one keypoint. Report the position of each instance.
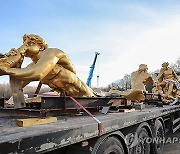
(35, 39)
(143, 67)
(165, 64)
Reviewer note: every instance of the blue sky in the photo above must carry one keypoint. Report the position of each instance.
(125, 32)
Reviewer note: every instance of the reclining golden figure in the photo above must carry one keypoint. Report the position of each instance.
(139, 79)
(51, 66)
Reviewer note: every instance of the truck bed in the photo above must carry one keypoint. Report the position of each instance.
(68, 129)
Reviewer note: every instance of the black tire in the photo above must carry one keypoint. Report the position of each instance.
(159, 135)
(142, 146)
(110, 145)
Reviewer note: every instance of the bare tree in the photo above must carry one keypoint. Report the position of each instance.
(121, 84)
(127, 81)
(176, 66)
(5, 90)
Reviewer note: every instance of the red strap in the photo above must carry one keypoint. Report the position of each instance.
(91, 115)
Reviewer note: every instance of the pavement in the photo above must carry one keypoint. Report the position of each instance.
(172, 143)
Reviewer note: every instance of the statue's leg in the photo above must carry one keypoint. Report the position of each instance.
(170, 88)
(71, 84)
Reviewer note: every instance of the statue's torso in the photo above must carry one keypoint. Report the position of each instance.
(168, 74)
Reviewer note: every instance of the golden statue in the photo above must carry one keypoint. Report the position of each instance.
(140, 78)
(51, 66)
(166, 83)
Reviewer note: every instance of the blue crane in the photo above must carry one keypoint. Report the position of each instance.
(92, 70)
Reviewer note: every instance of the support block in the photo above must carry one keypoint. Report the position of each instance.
(35, 121)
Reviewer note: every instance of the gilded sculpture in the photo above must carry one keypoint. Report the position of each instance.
(51, 66)
(140, 78)
(167, 83)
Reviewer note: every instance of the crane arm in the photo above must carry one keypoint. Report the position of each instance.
(92, 70)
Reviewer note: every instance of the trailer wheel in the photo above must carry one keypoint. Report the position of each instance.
(111, 145)
(158, 145)
(142, 147)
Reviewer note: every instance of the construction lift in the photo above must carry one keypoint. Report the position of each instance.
(92, 70)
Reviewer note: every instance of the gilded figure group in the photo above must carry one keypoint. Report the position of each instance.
(53, 67)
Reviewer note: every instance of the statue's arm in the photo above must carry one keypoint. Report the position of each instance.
(160, 76)
(26, 82)
(150, 79)
(37, 71)
(65, 62)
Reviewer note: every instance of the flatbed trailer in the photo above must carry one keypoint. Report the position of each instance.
(120, 132)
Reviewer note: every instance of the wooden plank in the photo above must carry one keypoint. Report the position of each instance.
(35, 121)
(33, 100)
(17, 92)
